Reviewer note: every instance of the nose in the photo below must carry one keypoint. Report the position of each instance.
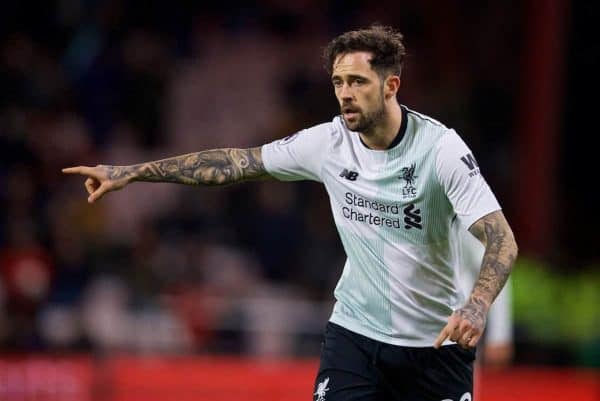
(345, 92)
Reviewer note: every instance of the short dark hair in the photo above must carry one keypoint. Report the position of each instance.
(383, 42)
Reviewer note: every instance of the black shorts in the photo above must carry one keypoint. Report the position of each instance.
(354, 367)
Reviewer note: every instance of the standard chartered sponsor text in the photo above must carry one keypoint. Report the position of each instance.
(370, 218)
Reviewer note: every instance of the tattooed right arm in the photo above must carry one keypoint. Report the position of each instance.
(466, 324)
(210, 167)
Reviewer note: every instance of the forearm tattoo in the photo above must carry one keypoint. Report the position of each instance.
(210, 167)
(500, 254)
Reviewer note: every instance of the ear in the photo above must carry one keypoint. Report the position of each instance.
(391, 86)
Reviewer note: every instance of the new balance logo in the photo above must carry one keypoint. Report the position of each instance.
(349, 175)
(412, 217)
(470, 161)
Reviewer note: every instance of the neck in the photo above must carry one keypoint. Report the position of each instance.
(382, 135)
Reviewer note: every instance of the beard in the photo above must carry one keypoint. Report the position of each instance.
(366, 122)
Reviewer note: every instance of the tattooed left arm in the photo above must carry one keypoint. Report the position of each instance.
(466, 325)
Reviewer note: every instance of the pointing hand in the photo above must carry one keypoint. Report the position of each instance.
(465, 326)
(100, 180)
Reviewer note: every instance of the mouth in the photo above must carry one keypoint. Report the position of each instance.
(350, 113)
(350, 116)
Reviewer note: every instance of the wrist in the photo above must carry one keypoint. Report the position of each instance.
(479, 301)
(133, 175)
(122, 173)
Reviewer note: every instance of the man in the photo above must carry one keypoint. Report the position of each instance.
(400, 186)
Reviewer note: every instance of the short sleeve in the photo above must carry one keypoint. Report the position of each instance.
(459, 175)
(299, 156)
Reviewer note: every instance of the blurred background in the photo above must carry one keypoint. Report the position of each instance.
(227, 275)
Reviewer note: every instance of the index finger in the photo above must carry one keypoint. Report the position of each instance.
(444, 334)
(78, 170)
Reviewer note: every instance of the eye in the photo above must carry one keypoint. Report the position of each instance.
(337, 83)
(359, 81)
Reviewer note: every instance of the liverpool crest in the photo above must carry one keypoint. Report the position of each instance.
(409, 177)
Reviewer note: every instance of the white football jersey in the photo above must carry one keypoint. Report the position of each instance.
(396, 211)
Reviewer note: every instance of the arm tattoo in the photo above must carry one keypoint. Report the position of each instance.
(210, 167)
(500, 254)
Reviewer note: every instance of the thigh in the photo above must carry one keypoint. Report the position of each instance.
(343, 385)
(446, 375)
(346, 371)
(427, 374)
